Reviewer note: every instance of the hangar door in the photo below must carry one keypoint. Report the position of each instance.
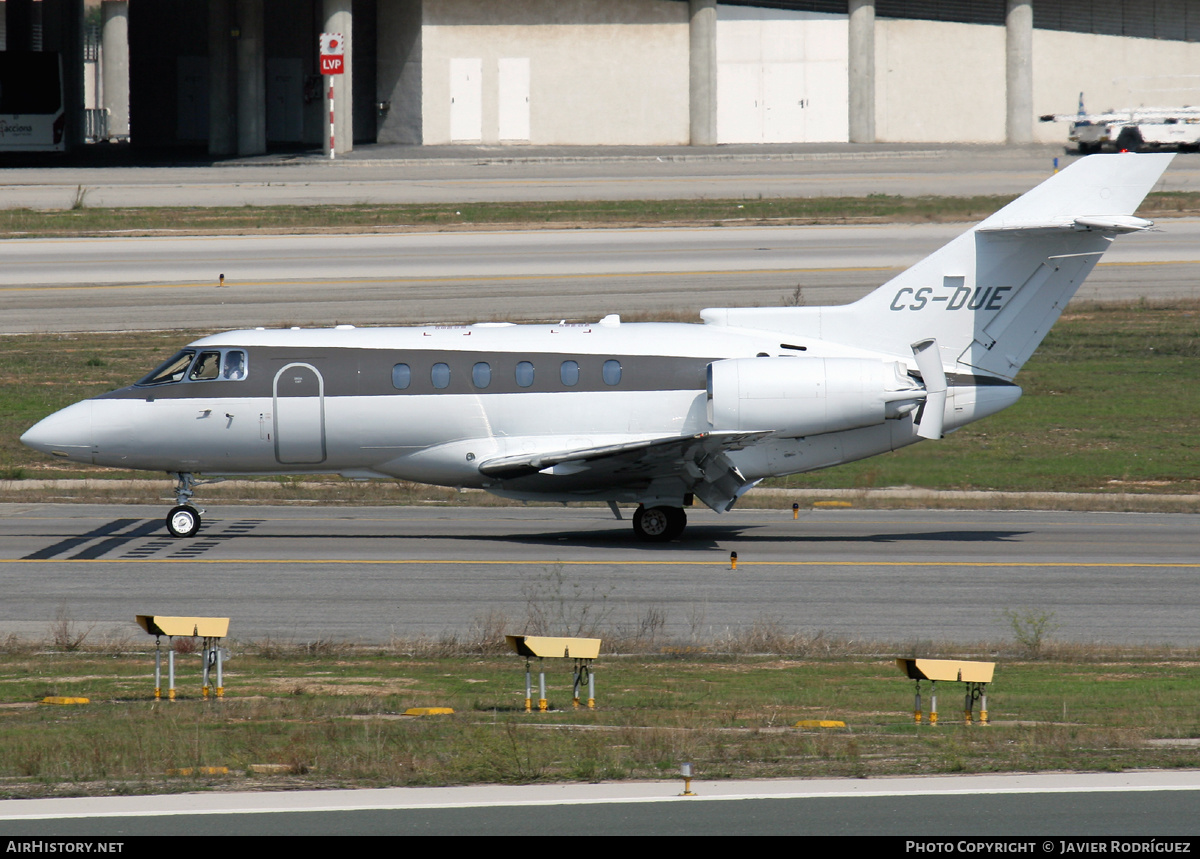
(782, 76)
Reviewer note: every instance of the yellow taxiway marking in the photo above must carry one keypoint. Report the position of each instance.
(402, 281)
(614, 562)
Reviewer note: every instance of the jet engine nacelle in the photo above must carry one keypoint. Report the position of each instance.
(808, 396)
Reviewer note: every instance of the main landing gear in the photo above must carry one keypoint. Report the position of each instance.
(184, 519)
(659, 524)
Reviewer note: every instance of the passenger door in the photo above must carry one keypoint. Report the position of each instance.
(299, 399)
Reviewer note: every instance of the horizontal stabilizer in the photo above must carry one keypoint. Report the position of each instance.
(1097, 223)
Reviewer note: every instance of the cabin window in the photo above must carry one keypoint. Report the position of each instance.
(481, 374)
(235, 365)
(440, 375)
(401, 376)
(611, 372)
(525, 374)
(172, 370)
(569, 373)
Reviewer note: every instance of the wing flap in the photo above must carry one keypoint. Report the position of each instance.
(635, 455)
(698, 461)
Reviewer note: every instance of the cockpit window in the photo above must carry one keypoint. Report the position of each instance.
(235, 365)
(209, 365)
(171, 371)
(206, 368)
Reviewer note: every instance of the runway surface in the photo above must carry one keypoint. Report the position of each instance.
(458, 174)
(125, 283)
(1031, 809)
(374, 574)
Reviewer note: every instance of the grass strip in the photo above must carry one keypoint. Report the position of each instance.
(329, 715)
(83, 220)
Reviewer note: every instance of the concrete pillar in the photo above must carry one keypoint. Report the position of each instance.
(18, 25)
(862, 71)
(251, 79)
(114, 41)
(222, 79)
(1018, 28)
(338, 19)
(399, 71)
(702, 71)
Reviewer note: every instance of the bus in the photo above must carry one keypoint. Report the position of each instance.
(32, 118)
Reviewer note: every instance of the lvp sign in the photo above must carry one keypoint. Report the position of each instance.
(333, 54)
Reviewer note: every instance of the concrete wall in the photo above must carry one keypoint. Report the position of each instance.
(399, 71)
(945, 82)
(1111, 72)
(614, 72)
(781, 76)
(939, 82)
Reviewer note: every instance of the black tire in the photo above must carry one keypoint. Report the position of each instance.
(659, 524)
(183, 521)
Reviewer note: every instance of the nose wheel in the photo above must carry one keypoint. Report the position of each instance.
(659, 524)
(183, 521)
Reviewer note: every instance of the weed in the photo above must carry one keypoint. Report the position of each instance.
(796, 299)
(643, 634)
(65, 634)
(13, 644)
(1031, 628)
(324, 647)
(485, 637)
(556, 606)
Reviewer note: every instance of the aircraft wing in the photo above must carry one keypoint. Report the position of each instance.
(699, 461)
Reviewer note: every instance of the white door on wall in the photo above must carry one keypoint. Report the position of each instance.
(739, 103)
(514, 99)
(784, 103)
(466, 100)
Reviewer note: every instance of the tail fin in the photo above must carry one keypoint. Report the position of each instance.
(989, 296)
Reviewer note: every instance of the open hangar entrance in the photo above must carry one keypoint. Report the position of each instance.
(239, 77)
(220, 77)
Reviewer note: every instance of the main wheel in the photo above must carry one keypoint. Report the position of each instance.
(183, 521)
(659, 524)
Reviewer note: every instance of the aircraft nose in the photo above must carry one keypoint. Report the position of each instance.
(66, 433)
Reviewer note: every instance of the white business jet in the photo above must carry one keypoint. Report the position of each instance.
(652, 414)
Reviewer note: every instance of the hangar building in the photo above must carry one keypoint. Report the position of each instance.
(242, 76)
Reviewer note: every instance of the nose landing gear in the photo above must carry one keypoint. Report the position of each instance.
(184, 519)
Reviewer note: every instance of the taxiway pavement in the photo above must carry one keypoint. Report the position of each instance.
(1032, 810)
(375, 574)
(117, 284)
